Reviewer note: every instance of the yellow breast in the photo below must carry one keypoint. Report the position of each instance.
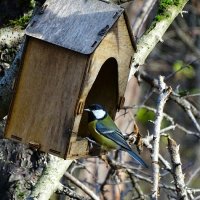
(106, 143)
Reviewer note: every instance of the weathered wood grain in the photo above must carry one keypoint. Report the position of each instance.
(46, 95)
(117, 44)
(78, 25)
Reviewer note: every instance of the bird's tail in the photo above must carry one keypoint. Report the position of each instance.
(137, 158)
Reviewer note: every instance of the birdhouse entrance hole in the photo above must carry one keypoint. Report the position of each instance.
(104, 91)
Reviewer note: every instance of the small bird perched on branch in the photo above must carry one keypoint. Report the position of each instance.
(105, 132)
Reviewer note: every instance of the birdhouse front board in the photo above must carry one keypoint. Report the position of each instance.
(77, 53)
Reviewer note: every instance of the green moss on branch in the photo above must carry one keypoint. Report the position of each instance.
(163, 11)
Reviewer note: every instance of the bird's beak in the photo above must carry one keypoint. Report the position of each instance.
(87, 109)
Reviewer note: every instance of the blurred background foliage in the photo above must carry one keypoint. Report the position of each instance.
(178, 59)
(15, 12)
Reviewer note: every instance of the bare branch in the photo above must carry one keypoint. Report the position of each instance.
(149, 40)
(142, 16)
(146, 142)
(180, 69)
(169, 118)
(187, 40)
(163, 96)
(190, 109)
(130, 170)
(137, 187)
(50, 178)
(169, 128)
(177, 170)
(194, 174)
(69, 192)
(81, 186)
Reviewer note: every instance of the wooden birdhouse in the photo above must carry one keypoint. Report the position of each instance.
(78, 52)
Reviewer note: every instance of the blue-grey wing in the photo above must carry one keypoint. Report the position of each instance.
(115, 135)
(112, 134)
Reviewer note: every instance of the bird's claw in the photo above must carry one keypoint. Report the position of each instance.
(92, 142)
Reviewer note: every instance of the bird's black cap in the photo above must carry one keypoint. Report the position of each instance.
(96, 107)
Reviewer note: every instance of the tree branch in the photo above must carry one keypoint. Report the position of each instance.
(69, 192)
(186, 105)
(163, 96)
(49, 181)
(177, 170)
(56, 167)
(154, 34)
(142, 16)
(81, 186)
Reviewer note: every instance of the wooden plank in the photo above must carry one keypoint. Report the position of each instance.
(77, 25)
(46, 95)
(79, 148)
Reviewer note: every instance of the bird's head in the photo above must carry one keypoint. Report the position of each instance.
(96, 111)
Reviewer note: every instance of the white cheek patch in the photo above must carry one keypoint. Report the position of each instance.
(99, 113)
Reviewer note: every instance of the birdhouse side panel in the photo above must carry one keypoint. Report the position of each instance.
(117, 44)
(46, 95)
(124, 49)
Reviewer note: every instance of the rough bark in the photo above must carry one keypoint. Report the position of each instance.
(177, 169)
(20, 169)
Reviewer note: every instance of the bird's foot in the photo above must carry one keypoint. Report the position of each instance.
(91, 142)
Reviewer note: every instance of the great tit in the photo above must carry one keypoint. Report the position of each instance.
(105, 132)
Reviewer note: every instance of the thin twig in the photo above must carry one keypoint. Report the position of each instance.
(81, 186)
(190, 109)
(191, 95)
(194, 174)
(144, 177)
(142, 16)
(169, 128)
(183, 67)
(187, 40)
(137, 187)
(146, 141)
(188, 132)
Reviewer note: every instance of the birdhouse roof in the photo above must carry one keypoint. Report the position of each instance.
(78, 25)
